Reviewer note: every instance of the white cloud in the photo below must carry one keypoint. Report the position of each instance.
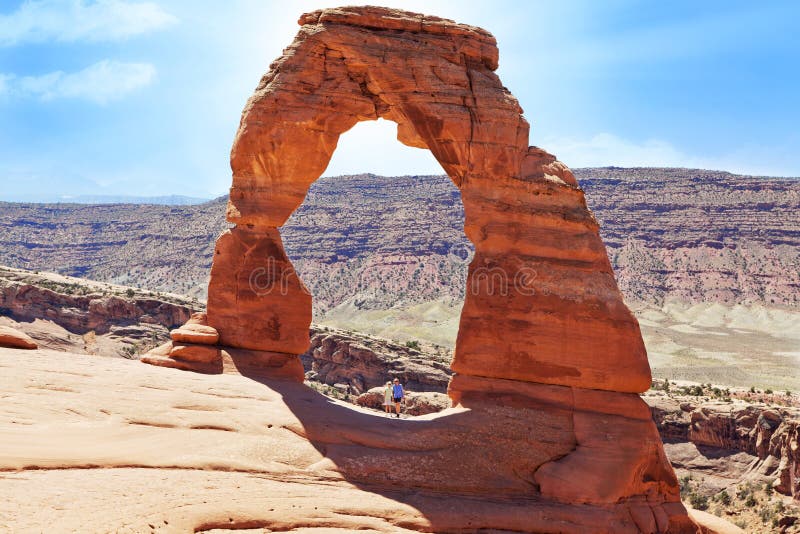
(606, 149)
(75, 20)
(102, 82)
(4, 79)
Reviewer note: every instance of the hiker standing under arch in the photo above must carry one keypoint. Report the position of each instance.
(388, 397)
(397, 393)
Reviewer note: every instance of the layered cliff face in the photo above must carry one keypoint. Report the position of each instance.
(359, 239)
(64, 313)
(364, 362)
(699, 236)
(770, 435)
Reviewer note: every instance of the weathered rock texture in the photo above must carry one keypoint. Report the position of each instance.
(548, 358)
(731, 441)
(364, 362)
(103, 445)
(82, 306)
(540, 269)
(77, 315)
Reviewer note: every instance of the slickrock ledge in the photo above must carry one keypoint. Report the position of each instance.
(13, 338)
(548, 358)
(109, 445)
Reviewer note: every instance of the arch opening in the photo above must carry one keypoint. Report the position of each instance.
(364, 274)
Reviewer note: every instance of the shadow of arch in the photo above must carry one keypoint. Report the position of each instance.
(548, 358)
(440, 464)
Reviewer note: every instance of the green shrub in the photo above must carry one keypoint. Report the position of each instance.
(412, 345)
(685, 485)
(744, 491)
(723, 497)
(698, 502)
(696, 391)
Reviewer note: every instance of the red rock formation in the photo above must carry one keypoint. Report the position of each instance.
(81, 313)
(540, 269)
(13, 338)
(543, 327)
(196, 330)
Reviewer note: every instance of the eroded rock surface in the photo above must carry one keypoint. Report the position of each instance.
(548, 359)
(13, 338)
(107, 444)
(77, 315)
(540, 270)
(731, 442)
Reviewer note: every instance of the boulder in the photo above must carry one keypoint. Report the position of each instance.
(195, 333)
(13, 338)
(195, 353)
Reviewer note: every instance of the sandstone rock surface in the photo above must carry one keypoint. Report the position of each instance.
(548, 357)
(11, 337)
(195, 333)
(107, 444)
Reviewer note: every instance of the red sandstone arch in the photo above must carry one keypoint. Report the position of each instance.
(560, 347)
(523, 209)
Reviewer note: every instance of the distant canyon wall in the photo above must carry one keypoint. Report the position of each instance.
(379, 242)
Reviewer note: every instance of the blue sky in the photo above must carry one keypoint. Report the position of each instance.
(144, 97)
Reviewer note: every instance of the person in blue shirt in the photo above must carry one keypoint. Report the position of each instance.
(398, 394)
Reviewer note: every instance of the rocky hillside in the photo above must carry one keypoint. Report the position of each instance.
(358, 362)
(82, 316)
(736, 453)
(377, 242)
(699, 236)
(163, 248)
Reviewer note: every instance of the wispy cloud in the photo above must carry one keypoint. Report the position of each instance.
(4, 79)
(606, 149)
(78, 20)
(101, 83)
